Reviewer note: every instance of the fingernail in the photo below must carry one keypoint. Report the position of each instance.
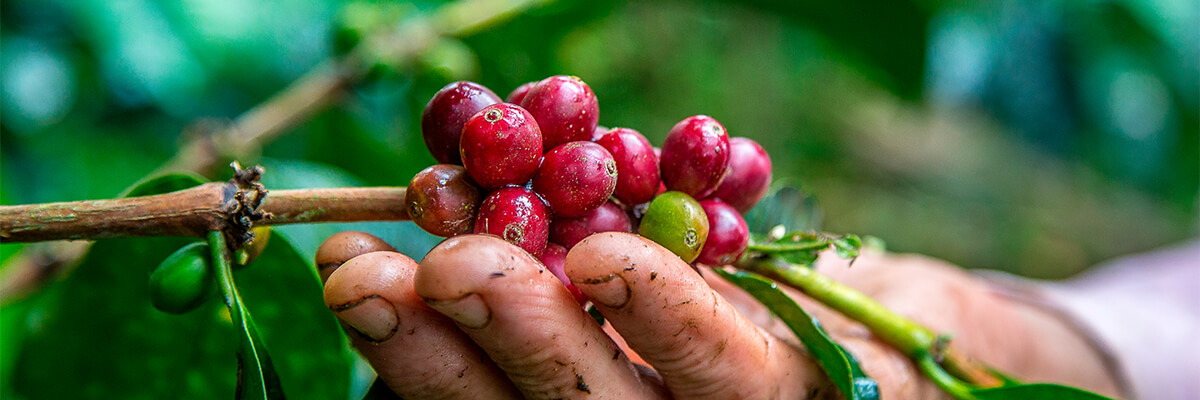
(469, 311)
(373, 317)
(610, 290)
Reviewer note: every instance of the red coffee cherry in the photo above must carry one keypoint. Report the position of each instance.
(443, 200)
(518, 215)
(662, 187)
(728, 235)
(749, 175)
(609, 217)
(637, 166)
(519, 93)
(598, 132)
(555, 258)
(447, 112)
(576, 178)
(501, 145)
(565, 109)
(695, 156)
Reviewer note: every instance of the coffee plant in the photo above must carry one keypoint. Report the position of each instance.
(533, 168)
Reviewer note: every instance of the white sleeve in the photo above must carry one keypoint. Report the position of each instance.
(1143, 311)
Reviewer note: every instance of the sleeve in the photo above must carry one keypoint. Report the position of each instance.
(1142, 312)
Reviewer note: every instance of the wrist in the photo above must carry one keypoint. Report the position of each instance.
(1060, 348)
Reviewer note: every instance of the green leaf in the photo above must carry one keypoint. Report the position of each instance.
(311, 353)
(787, 205)
(839, 364)
(802, 258)
(847, 246)
(95, 334)
(12, 329)
(256, 375)
(164, 183)
(800, 248)
(1036, 391)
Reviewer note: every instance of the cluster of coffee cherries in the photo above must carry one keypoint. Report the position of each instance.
(537, 170)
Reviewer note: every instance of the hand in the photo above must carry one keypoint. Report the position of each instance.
(480, 318)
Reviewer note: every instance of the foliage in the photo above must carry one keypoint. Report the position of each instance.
(838, 363)
(1051, 126)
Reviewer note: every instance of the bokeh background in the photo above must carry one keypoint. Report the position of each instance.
(1034, 137)
(1038, 137)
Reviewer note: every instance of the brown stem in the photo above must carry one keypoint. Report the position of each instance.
(193, 212)
(335, 205)
(189, 212)
(207, 144)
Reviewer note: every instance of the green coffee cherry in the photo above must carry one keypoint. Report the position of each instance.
(247, 254)
(676, 221)
(183, 281)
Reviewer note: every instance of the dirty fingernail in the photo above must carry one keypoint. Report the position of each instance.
(470, 311)
(373, 317)
(610, 290)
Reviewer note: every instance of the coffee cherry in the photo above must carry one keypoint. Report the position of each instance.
(662, 187)
(695, 156)
(519, 93)
(251, 251)
(576, 178)
(555, 258)
(609, 217)
(637, 166)
(342, 246)
(676, 221)
(443, 200)
(501, 145)
(728, 235)
(565, 108)
(184, 280)
(447, 112)
(518, 215)
(749, 175)
(598, 132)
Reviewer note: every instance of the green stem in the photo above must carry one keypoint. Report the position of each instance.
(943, 379)
(256, 376)
(909, 337)
(220, 257)
(913, 339)
(774, 247)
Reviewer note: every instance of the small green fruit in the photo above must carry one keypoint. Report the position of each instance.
(676, 221)
(183, 281)
(247, 254)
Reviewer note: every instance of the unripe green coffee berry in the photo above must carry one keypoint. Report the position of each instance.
(247, 254)
(184, 280)
(676, 221)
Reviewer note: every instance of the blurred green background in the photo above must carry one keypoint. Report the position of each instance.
(1031, 136)
(1035, 137)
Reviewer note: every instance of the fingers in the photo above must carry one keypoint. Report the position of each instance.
(693, 337)
(418, 352)
(526, 321)
(343, 246)
(897, 377)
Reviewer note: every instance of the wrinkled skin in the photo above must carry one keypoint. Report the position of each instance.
(482, 319)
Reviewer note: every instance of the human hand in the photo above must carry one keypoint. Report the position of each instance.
(483, 319)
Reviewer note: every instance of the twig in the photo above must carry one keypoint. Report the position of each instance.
(913, 339)
(207, 142)
(194, 212)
